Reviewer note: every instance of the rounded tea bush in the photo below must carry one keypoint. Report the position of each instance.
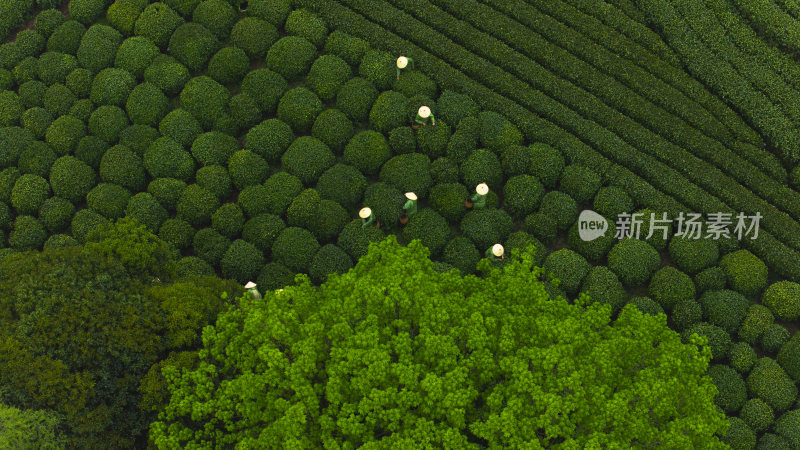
(783, 299)
(516, 160)
(197, 205)
(265, 87)
(189, 266)
(356, 97)
(742, 357)
(410, 172)
(54, 67)
(594, 250)
(135, 55)
(214, 148)
(216, 15)
(157, 23)
(244, 111)
(330, 220)
(37, 159)
(59, 241)
(686, 313)
(205, 99)
(167, 74)
(229, 65)
(216, 180)
(327, 75)
(82, 109)
(447, 199)
(111, 87)
(569, 267)
(64, 133)
(343, 184)
(482, 166)
(29, 193)
(295, 248)
(755, 323)
(693, 255)
(13, 140)
(31, 93)
(670, 286)
(180, 125)
(367, 151)
(739, 435)
(107, 122)
(36, 120)
(90, 150)
(27, 233)
(291, 57)
(211, 246)
(11, 108)
(274, 196)
(521, 240)
(444, 170)
(378, 67)
(598, 282)
(388, 111)
(745, 272)
(246, 168)
(774, 337)
(542, 226)
(462, 254)
(228, 220)
(430, 228)
(386, 202)
(242, 261)
(47, 21)
(486, 227)
(270, 139)
(561, 208)
(579, 182)
(122, 15)
(147, 105)
(79, 81)
(328, 260)
(138, 137)
(167, 158)
(299, 108)
(192, 45)
(413, 83)
(333, 128)
(304, 23)
(30, 42)
(275, 276)
(725, 309)
(147, 211)
(433, 140)
(71, 178)
(497, 132)
(453, 107)
(98, 47)
(732, 392)
(757, 414)
(347, 47)
(547, 163)
(84, 221)
(645, 304)
(770, 383)
(633, 261)
(167, 191)
(402, 140)
(711, 279)
(521, 195)
(262, 230)
(718, 339)
(109, 200)
(58, 100)
(254, 36)
(307, 158)
(183, 7)
(789, 357)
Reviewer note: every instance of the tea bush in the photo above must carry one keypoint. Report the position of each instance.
(291, 57)
(299, 107)
(367, 151)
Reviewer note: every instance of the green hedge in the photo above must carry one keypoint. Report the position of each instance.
(29, 193)
(755, 323)
(430, 228)
(670, 286)
(295, 248)
(633, 261)
(486, 227)
(307, 158)
(367, 151)
(218, 16)
(167, 191)
(167, 74)
(167, 158)
(345, 46)
(254, 36)
(157, 23)
(356, 98)
(770, 383)
(571, 269)
(731, 389)
(783, 299)
(262, 230)
(304, 23)
(228, 66)
(745, 272)
(291, 57)
(409, 172)
(216, 180)
(196, 205)
(206, 99)
(37, 159)
(247, 168)
(228, 220)
(98, 47)
(600, 283)
(193, 45)
(146, 209)
(521, 195)
(107, 122)
(388, 111)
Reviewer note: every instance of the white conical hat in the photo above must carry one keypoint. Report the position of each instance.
(411, 196)
(424, 112)
(365, 212)
(497, 250)
(249, 285)
(402, 62)
(482, 189)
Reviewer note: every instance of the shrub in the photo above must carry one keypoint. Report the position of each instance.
(228, 220)
(331, 219)
(645, 304)
(242, 261)
(725, 309)
(447, 199)
(13, 140)
(265, 87)
(757, 414)
(84, 222)
(774, 337)
(36, 120)
(783, 299)
(444, 170)
(430, 228)
(482, 166)
(274, 11)
(347, 47)
(771, 441)
(181, 126)
(98, 48)
(90, 150)
(304, 23)
(135, 55)
(244, 111)
(167, 191)
(333, 128)
(669, 286)
(711, 279)
(594, 250)
(157, 23)
(37, 159)
(755, 323)
(107, 122)
(47, 21)
(611, 201)
(378, 67)
(579, 182)
(214, 148)
(30, 42)
(402, 140)
(27, 233)
(634, 261)
(547, 163)
(193, 45)
(486, 227)
(147, 105)
(254, 36)
(122, 15)
(521, 195)
(229, 65)
(497, 132)
(329, 259)
(82, 109)
(86, 11)
(66, 38)
(770, 383)
(247, 168)
(356, 98)
(307, 158)
(109, 200)
(274, 196)
(542, 226)
(367, 151)
(693, 255)
(462, 254)
(11, 108)
(327, 75)
(354, 239)
(56, 213)
(196, 205)
(521, 240)
(262, 230)
(112, 87)
(789, 357)
(732, 392)
(166, 158)
(147, 211)
(599, 283)
(59, 241)
(299, 108)
(739, 435)
(516, 160)
(433, 140)
(388, 111)
(291, 57)
(408, 173)
(216, 180)
(205, 99)
(6, 79)
(64, 133)
(686, 313)
(386, 202)
(31, 93)
(561, 208)
(788, 427)
(23, 73)
(211, 246)
(216, 15)
(192, 266)
(183, 7)
(659, 239)
(742, 357)
(571, 268)
(415, 83)
(304, 209)
(745, 272)
(79, 81)
(275, 276)
(71, 178)
(269, 139)
(167, 74)
(28, 194)
(343, 184)
(718, 339)
(295, 248)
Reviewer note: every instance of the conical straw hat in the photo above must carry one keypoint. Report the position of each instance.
(402, 62)
(411, 196)
(424, 112)
(482, 189)
(364, 213)
(249, 285)
(497, 250)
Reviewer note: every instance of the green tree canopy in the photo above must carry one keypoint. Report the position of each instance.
(395, 354)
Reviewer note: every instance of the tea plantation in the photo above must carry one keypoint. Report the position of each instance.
(156, 156)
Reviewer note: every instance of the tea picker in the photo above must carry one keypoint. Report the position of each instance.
(410, 208)
(479, 199)
(367, 217)
(251, 289)
(495, 253)
(402, 63)
(423, 115)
